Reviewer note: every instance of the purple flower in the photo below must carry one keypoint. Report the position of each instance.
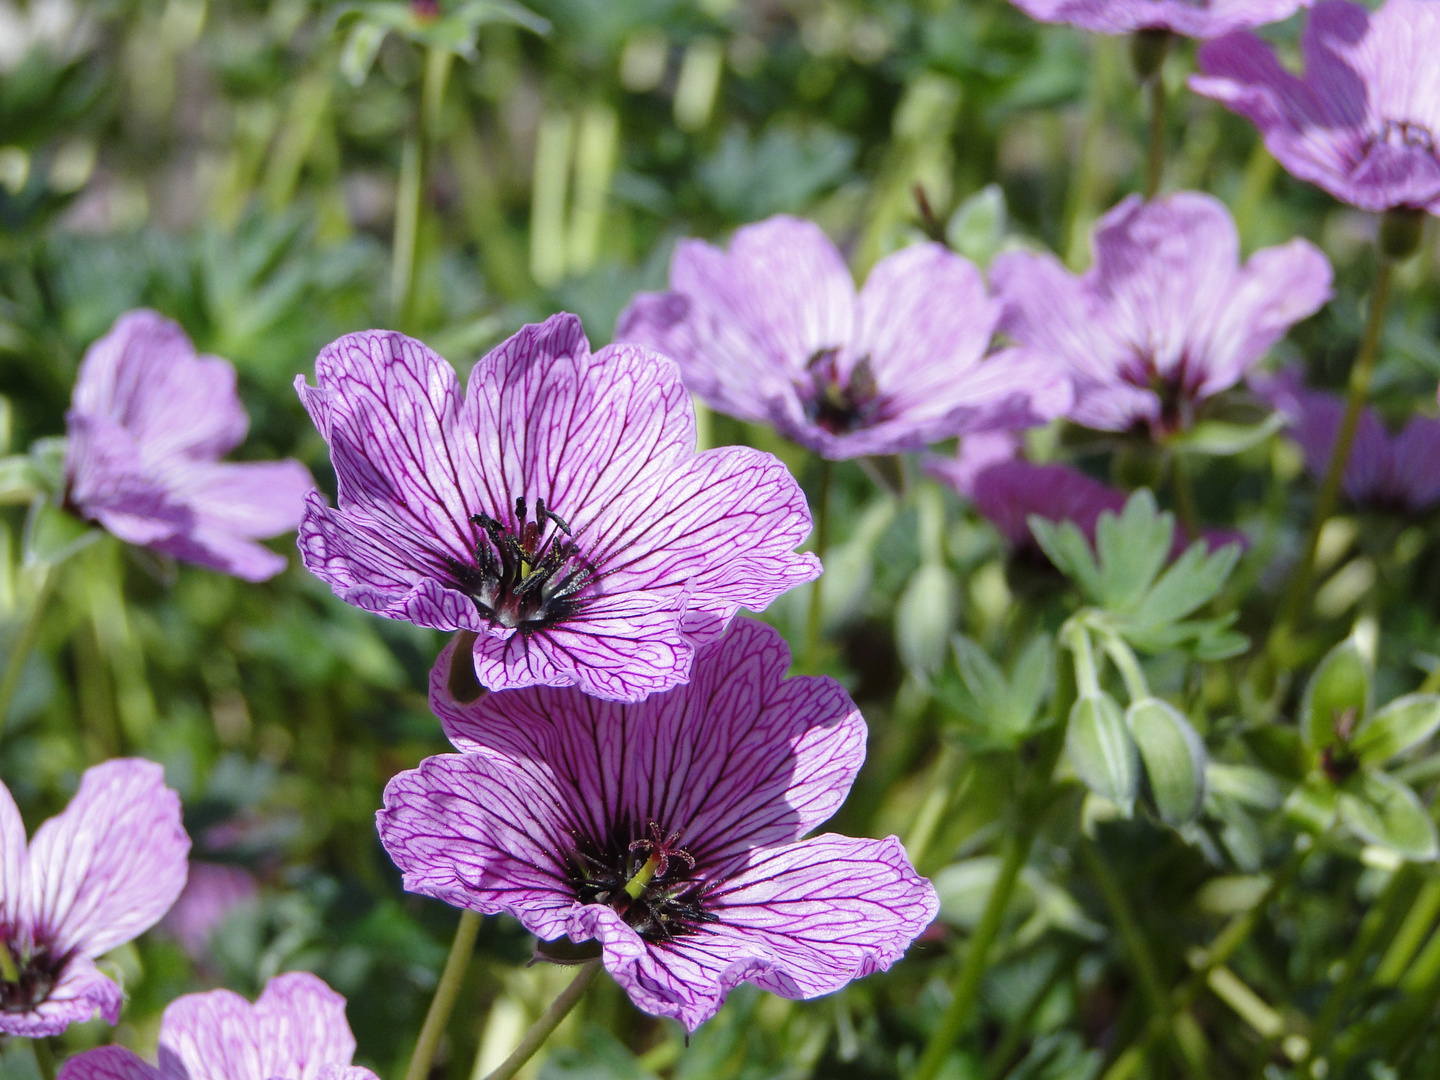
(1386, 470)
(95, 876)
(211, 893)
(772, 332)
(1007, 490)
(1166, 317)
(668, 832)
(1364, 120)
(559, 512)
(295, 1031)
(148, 425)
(1190, 18)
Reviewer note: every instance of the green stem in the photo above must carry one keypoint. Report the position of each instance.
(546, 1025)
(1359, 390)
(407, 229)
(815, 623)
(965, 991)
(1136, 688)
(1185, 498)
(445, 993)
(927, 819)
(23, 644)
(1322, 1033)
(44, 1057)
(1155, 157)
(1156, 999)
(1412, 933)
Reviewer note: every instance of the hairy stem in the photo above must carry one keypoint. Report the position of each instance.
(445, 992)
(1359, 390)
(546, 1025)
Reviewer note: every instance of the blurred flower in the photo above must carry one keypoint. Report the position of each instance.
(1006, 490)
(295, 1031)
(1396, 471)
(772, 332)
(211, 892)
(96, 875)
(1203, 19)
(668, 832)
(1363, 122)
(1166, 316)
(559, 512)
(148, 423)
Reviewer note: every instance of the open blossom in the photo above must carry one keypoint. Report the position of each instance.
(773, 332)
(147, 426)
(296, 1030)
(94, 877)
(212, 892)
(1386, 470)
(1363, 121)
(1190, 18)
(559, 512)
(1166, 317)
(668, 832)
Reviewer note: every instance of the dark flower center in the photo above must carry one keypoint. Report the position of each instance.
(527, 578)
(840, 405)
(1174, 390)
(26, 975)
(1408, 134)
(649, 881)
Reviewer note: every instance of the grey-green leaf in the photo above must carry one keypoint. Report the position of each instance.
(1066, 547)
(1174, 757)
(1405, 722)
(1132, 548)
(1102, 751)
(925, 617)
(1337, 695)
(1383, 811)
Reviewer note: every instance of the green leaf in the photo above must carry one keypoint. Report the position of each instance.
(1102, 751)
(19, 481)
(1001, 712)
(362, 45)
(1221, 438)
(924, 618)
(1066, 547)
(1383, 811)
(1245, 784)
(1405, 722)
(1192, 580)
(977, 226)
(1132, 548)
(1311, 807)
(1337, 694)
(1174, 757)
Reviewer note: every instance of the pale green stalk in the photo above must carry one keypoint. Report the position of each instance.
(543, 1028)
(445, 993)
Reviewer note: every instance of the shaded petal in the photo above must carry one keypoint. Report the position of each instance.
(145, 376)
(212, 891)
(736, 758)
(79, 993)
(1417, 449)
(14, 862)
(211, 1036)
(111, 864)
(106, 483)
(108, 1063)
(483, 832)
(800, 921)
(1178, 16)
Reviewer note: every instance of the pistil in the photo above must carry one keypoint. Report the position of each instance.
(636, 886)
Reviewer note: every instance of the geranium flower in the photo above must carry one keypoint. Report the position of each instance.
(148, 424)
(1189, 18)
(1006, 490)
(97, 875)
(773, 332)
(1166, 317)
(211, 893)
(559, 512)
(1395, 471)
(668, 832)
(296, 1030)
(1363, 121)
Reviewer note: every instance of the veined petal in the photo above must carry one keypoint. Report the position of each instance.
(111, 864)
(800, 921)
(108, 1063)
(106, 482)
(14, 862)
(736, 758)
(1204, 20)
(77, 996)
